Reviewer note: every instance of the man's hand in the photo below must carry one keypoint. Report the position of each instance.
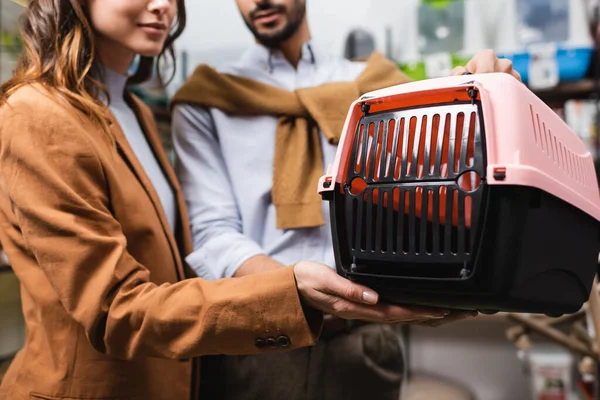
(322, 288)
(455, 315)
(486, 62)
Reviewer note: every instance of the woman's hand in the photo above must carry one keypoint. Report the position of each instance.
(320, 287)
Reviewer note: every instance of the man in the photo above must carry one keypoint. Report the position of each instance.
(240, 135)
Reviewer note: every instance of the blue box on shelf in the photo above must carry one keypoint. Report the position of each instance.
(573, 62)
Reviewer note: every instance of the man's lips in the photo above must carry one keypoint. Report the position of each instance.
(267, 16)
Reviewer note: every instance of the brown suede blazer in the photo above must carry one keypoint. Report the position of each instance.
(109, 312)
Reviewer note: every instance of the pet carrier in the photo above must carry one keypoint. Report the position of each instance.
(464, 192)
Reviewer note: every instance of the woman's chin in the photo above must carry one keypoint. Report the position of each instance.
(149, 51)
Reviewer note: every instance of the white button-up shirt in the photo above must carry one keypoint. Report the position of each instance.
(225, 166)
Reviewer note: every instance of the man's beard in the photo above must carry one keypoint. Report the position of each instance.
(294, 19)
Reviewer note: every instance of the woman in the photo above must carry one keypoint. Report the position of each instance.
(94, 225)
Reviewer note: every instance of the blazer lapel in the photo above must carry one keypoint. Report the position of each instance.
(151, 130)
(129, 156)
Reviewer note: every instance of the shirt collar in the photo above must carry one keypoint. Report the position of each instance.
(270, 59)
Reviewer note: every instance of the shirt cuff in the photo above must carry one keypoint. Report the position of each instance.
(215, 262)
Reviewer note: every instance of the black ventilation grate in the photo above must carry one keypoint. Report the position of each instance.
(414, 187)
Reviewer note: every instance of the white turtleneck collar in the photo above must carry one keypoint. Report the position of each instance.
(115, 85)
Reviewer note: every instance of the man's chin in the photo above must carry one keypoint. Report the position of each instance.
(273, 41)
(273, 38)
(269, 32)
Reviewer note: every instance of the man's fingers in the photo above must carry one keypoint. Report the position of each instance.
(506, 66)
(452, 317)
(486, 62)
(456, 71)
(483, 63)
(517, 75)
(385, 313)
(503, 65)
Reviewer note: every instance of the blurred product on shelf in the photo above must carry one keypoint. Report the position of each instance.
(359, 44)
(551, 369)
(10, 40)
(549, 41)
(550, 348)
(580, 115)
(153, 91)
(447, 34)
(586, 383)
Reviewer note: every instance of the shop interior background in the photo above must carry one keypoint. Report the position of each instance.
(474, 354)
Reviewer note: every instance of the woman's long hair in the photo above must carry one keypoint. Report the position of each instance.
(59, 51)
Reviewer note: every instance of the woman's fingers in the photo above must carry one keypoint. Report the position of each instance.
(323, 289)
(311, 276)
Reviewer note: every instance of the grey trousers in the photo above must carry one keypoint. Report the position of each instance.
(365, 363)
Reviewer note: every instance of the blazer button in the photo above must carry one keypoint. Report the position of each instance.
(260, 343)
(271, 342)
(283, 341)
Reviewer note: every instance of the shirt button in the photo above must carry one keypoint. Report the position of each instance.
(272, 343)
(283, 341)
(260, 343)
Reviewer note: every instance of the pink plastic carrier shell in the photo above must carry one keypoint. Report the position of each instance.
(525, 139)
